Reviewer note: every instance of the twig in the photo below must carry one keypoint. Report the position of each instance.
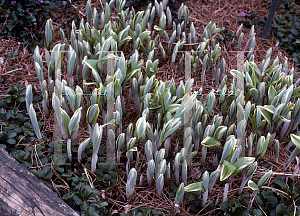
(88, 177)
(37, 158)
(20, 139)
(277, 190)
(183, 44)
(195, 19)
(79, 10)
(101, 3)
(11, 71)
(260, 207)
(280, 174)
(203, 208)
(55, 173)
(211, 211)
(53, 184)
(295, 208)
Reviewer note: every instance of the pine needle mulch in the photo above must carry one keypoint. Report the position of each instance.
(224, 14)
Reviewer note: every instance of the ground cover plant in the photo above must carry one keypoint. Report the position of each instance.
(172, 164)
(24, 20)
(285, 27)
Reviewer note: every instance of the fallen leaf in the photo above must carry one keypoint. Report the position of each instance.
(217, 11)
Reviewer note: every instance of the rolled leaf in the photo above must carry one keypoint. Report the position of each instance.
(82, 146)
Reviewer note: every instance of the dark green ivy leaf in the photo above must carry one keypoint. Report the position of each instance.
(77, 198)
(257, 212)
(294, 31)
(11, 141)
(280, 209)
(225, 206)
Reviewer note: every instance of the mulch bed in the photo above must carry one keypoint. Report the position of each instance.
(224, 14)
